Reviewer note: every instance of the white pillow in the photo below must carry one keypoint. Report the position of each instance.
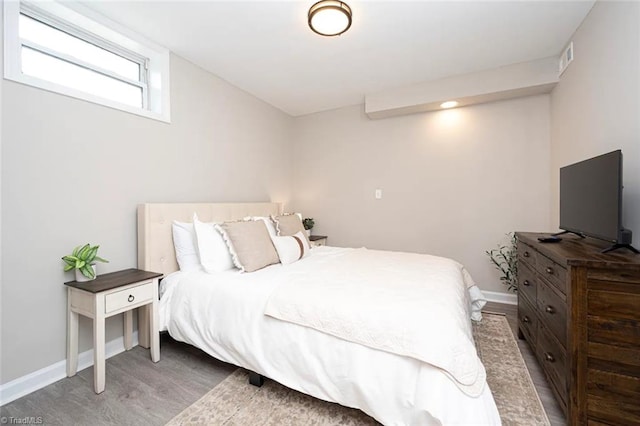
(213, 251)
(184, 242)
(292, 248)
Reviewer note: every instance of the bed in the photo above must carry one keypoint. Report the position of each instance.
(261, 321)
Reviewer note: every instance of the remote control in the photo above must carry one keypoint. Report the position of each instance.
(549, 239)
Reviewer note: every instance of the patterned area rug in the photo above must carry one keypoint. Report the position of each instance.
(235, 402)
(507, 375)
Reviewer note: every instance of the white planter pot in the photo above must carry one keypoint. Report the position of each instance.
(308, 231)
(81, 278)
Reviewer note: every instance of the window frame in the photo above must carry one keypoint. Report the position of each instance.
(87, 25)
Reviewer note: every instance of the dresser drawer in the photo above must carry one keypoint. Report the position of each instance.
(123, 299)
(552, 272)
(527, 282)
(553, 359)
(553, 312)
(527, 320)
(526, 254)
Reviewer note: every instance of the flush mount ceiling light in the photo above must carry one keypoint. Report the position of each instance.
(449, 104)
(329, 17)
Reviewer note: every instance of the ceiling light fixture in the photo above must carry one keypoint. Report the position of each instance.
(329, 17)
(449, 104)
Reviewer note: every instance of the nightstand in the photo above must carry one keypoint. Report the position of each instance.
(318, 240)
(106, 296)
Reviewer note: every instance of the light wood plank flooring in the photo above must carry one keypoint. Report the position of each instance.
(139, 392)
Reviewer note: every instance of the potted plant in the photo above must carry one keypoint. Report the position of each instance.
(308, 223)
(504, 258)
(82, 260)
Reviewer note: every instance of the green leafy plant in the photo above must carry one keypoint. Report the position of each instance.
(504, 258)
(308, 223)
(82, 258)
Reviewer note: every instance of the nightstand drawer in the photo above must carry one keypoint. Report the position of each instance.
(128, 297)
(319, 243)
(317, 240)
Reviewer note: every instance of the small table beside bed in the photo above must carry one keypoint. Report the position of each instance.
(388, 333)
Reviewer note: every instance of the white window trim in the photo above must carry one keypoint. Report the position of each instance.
(158, 85)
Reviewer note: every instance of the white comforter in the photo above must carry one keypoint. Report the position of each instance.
(408, 304)
(223, 314)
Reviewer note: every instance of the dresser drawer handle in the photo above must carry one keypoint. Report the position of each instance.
(526, 283)
(525, 254)
(549, 357)
(549, 270)
(525, 319)
(131, 298)
(549, 309)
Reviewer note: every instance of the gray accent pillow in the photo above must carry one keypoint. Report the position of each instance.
(250, 244)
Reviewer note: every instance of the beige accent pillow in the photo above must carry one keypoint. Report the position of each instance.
(250, 244)
(289, 224)
(267, 221)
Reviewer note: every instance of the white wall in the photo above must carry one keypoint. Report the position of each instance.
(73, 172)
(595, 108)
(454, 182)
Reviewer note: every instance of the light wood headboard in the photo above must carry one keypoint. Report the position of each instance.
(155, 239)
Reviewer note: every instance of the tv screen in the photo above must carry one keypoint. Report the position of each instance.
(591, 197)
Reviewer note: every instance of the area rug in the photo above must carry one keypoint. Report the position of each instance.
(234, 402)
(507, 374)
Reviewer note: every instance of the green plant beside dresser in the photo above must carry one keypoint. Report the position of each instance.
(505, 260)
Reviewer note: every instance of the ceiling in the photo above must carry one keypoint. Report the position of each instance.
(266, 48)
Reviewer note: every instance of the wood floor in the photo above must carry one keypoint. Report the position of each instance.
(139, 392)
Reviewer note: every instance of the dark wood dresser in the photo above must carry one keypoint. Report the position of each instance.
(579, 310)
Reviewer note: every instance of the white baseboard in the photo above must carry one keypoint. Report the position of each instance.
(498, 297)
(24, 385)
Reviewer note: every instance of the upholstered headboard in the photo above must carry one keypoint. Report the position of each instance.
(155, 239)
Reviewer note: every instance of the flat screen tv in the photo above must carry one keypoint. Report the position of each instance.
(591, 199)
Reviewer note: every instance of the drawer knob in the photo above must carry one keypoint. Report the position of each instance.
(525, 254)
(549, 357)
(525, 319)
(549, 309)
(526, 283)
(549, 270)
(131, 298)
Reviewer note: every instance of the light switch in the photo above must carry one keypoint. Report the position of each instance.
(378, 194)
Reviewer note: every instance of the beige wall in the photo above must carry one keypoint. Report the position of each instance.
(73, 172)
(454, 182)
(1, 185)
(596, 106)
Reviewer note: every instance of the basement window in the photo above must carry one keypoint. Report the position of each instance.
(76, 52)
